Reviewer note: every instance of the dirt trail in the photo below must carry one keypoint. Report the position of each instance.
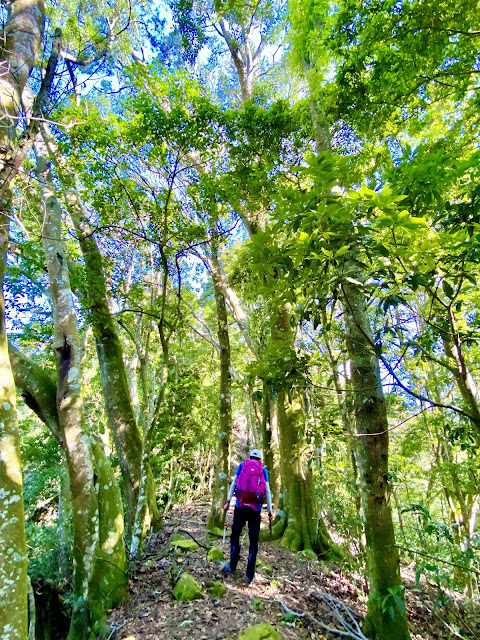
(153, 613)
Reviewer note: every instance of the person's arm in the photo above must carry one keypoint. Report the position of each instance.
(232, 488)
(269, 498)
(268, 493)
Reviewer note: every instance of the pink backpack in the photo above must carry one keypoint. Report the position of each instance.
(251, 486)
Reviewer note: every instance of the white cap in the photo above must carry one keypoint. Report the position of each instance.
(255, 453)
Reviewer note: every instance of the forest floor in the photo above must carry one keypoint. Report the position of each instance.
(302, 586)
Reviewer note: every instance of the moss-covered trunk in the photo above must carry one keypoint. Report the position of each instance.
(121, 416)
(109, 575)
(84, 474)
(222, 465)
(386, 591)
(22, 36)
(40, 392)
(305, 528)
(270, 442)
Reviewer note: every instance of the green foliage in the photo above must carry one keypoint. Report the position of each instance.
(307, 555)
(397, 62)
(42, 479)
(393, 601)
(257, 604)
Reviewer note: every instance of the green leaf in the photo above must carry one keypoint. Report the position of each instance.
(354, 195)
(303, 237)
(365, 191)
(413, 223)
(341, 251)
(353, 281)
(447, 289)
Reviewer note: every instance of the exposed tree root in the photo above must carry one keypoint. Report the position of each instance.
(344, 615)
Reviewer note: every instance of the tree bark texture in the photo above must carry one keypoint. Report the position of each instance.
(123, 424)
(270, 442)
(222, 466)
(108, 583)
(383, 563)
(305, 528)
(21, 40)
(13, 548)
(85, 466)
(234, 305)
(372, 457)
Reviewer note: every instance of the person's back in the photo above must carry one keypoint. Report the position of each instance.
(250, 486)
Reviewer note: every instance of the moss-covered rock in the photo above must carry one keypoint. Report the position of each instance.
(187, 588)
(262, 631)
(216, 589)
(184, 544)
(215, 555)
(257, 604)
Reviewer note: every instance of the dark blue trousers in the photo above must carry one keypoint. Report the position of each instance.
(241, 516)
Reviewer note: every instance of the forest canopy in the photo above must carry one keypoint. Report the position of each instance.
(228, 225)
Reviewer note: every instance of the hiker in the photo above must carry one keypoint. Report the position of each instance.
(251, 487)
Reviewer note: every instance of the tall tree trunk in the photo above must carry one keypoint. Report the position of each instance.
(13, 548)
(222, 466)
(125, 431)
(372, 456)
(89, 541)
(233, 303)
(270, 442)
(305, 527)
(383, 562)
(142, 514)
(40, 393)
(345, 407)
(143, 522)
(22, 37)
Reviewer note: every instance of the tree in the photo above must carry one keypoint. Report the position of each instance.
(86, 461)
(23, 35)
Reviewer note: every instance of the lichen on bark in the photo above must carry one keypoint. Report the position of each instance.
(22, 37)
(85, 464)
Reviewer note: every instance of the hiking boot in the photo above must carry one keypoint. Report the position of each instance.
(252, 559)
(227, 570)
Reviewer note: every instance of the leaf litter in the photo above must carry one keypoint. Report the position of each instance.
(294, 587)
